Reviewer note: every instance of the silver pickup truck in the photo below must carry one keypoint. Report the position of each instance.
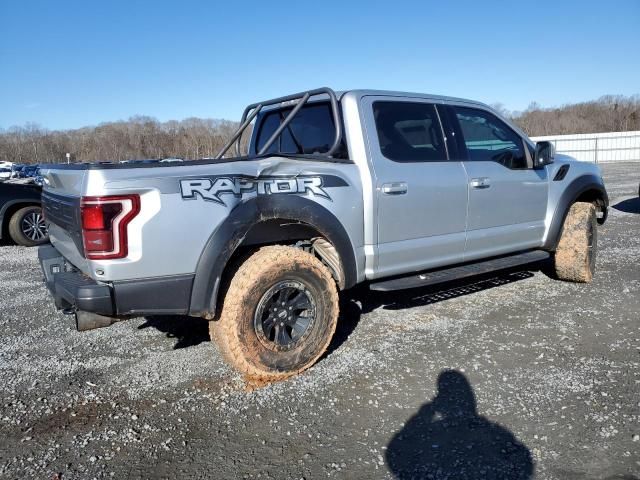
(393, 190)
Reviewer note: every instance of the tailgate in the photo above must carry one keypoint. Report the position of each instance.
(61, 195)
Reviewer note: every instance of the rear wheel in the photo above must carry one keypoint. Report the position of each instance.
(279, 314)
(27, 227)
(575, 257)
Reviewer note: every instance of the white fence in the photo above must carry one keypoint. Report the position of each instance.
(598, 147)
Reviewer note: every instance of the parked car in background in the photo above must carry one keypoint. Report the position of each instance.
(21, 216)
(27, 171)
(5, 173)
(37, 178)
(16, 170)
(30, 171)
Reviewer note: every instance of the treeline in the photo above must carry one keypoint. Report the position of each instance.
(146, 138)
(611, 113)
(135, 139)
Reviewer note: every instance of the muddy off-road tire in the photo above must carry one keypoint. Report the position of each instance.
(27, 227)
(278, 315)
(575, 257)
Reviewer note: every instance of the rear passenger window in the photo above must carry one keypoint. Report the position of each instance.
(409, 132)
(488, 138)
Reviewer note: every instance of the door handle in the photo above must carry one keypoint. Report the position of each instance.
(482, 182)
(396, 188)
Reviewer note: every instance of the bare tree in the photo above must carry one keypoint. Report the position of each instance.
(138, 138)
(611, 113)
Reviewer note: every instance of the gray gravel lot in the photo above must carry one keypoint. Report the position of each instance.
(509, 376)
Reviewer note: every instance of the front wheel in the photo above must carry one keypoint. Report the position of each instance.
(279, 314)
(575, 257)
(27, 227)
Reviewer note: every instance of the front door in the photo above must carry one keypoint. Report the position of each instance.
(507, 197)
(420, 196)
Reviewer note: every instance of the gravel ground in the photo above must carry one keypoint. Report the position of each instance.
(509, 376)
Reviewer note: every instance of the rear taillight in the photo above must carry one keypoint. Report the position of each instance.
(104, 225)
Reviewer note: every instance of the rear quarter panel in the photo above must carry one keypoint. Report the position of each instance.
(173, 227)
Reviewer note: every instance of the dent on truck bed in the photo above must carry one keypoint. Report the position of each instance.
(267, 195)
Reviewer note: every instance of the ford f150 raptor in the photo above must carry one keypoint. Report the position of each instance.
(394, 190)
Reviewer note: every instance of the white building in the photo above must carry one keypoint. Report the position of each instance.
(598, 147)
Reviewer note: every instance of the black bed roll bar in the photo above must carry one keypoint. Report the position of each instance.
(252, 111)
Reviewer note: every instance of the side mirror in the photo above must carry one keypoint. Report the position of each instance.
(545, 153)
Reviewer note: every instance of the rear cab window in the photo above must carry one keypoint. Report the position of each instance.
(312, 131)
(408, 131)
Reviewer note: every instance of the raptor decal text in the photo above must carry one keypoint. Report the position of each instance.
(212, 188)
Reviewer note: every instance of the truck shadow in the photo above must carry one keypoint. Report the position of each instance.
(192, 331)
(188, 331)
(360, 300)
(447, 438)
(630, 205)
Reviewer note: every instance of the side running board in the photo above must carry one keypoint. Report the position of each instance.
(455, 273)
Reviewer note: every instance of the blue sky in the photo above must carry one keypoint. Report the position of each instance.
(67, 64)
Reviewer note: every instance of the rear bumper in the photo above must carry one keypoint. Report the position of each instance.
(71, 289)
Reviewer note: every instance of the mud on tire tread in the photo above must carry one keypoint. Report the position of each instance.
(233, 331)
(572, 257)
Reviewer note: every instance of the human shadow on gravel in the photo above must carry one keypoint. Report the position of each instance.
(448, 439)
(630, 205)
(189, 331)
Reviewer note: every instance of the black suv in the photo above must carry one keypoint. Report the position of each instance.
(21, 214)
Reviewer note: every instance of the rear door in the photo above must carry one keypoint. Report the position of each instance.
(420, 197)
(507, 197)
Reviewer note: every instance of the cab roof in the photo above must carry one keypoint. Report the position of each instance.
(394, 93)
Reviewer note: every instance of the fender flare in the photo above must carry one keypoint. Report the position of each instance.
(224, 241)
(571, 193)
